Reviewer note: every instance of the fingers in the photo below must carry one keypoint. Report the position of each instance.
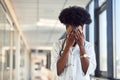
(75, 35)
(70, 39)
(79, 36)
(80, 30)
(70, 35)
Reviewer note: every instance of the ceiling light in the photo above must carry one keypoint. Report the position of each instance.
(49, 23)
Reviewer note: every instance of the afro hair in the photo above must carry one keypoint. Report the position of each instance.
(74, 16)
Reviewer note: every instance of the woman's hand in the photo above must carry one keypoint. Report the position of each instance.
(79, 38)
(70, 39)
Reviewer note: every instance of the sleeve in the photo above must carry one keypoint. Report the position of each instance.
(55, 57)
(92, 60)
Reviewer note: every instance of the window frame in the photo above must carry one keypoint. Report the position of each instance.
(98, 11)
(107, 5)
(114, 39)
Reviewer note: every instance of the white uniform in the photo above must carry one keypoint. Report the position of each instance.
(73, 69)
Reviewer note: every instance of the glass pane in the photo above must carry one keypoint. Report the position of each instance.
(22, 60)
(5, 46)
(103, 41)
(91, 26)
(101, 2)
(117, 36)
(1, 13)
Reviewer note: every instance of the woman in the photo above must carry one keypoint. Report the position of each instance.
(74, 57)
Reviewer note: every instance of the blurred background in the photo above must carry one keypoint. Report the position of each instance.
(28, 29)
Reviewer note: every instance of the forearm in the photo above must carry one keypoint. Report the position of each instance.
(61, 63)
(84, 60)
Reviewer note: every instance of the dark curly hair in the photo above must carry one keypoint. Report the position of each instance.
(74, 16)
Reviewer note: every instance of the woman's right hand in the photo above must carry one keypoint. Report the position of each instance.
(70, 40)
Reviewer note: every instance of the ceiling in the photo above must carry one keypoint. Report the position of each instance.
(49, 29)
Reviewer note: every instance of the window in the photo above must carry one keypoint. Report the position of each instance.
(91, 26)
(103, 41)
(116, 31)
(4, 43)
(101, 2)
(1, 13)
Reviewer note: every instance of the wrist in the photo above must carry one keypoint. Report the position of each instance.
(67, 47)
(83, 56)
(82, 50)
(82, 44)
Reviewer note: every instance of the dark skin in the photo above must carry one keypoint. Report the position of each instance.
(72, 39)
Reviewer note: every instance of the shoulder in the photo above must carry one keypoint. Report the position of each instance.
(89, 47)
(59, 42)
(88, 44)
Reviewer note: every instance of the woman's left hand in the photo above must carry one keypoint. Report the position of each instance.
(79, 38)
